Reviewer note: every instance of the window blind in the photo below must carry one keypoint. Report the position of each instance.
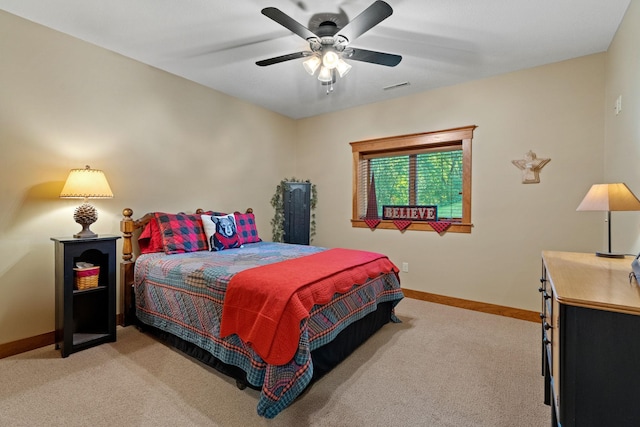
(413, 178)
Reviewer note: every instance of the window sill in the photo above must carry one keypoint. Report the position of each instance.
(417, 226)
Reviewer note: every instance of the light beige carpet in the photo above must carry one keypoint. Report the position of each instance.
(442, 366)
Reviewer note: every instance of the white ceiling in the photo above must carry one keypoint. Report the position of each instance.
(443, 42)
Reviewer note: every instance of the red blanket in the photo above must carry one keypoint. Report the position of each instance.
(265, 305)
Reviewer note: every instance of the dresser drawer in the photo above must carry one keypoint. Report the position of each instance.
(547, 312)
(550, 324)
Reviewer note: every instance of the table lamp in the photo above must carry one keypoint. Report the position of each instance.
(609, 197)
(86, 184)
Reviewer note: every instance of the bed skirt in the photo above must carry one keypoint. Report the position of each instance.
(323, 358)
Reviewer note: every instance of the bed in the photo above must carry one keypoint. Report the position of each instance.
(274, 316)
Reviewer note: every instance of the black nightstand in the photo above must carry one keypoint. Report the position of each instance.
(85, 317)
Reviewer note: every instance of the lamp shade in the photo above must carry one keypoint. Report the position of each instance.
(609, 197)
(330, 59)
(86, 183)
(311, 64)
(325, 75)
(343, 68)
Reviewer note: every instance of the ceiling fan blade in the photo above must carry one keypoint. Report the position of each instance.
(373, 57)
(288, 22)
(369, 18)
(283, 58)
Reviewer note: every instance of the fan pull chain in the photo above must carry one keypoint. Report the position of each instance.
(330, 88)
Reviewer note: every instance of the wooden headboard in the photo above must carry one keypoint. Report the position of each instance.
(128, 226)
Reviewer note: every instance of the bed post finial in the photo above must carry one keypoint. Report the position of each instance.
(127, 227)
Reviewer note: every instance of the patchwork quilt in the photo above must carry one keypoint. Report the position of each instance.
(184, 293)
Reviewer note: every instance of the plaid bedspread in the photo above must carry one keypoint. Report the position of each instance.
(183, 294)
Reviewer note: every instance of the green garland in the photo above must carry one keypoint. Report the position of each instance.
(277, 223)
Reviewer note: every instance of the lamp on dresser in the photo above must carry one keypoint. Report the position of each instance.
(609, 197)
(86, 184)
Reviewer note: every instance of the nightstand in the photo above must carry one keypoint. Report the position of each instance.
(85, 317)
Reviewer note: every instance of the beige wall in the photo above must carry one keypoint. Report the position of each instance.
(622, 131)
(164, 143)
(65, 103)
(555, 110)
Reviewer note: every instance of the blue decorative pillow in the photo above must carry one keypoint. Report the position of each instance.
(221, 232)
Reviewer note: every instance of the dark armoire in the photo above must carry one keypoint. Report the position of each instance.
(297, 212)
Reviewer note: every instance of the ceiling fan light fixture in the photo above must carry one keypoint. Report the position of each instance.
(330, 59)
(311, 64)
(325, 74)
(343, 68)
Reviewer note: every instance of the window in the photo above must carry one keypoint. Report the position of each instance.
(431, 168)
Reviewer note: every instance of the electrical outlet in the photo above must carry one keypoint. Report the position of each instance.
(405, 267)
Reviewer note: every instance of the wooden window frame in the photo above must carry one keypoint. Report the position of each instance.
(418, 141)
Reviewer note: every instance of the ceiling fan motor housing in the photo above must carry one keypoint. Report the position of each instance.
(327, 29)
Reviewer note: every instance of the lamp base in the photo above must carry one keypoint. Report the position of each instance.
(85, 234)
(609, 255)
(85, 215)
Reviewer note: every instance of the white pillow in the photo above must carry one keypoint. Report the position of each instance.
(221, 232)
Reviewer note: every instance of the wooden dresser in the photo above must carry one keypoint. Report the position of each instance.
(590, 340)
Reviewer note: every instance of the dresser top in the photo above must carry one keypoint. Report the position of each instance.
(585, 280)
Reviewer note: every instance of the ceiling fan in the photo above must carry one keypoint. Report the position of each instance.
(330, 41)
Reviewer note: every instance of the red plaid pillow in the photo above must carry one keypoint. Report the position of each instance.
(181, 233)
(246, 226)
(150, 239)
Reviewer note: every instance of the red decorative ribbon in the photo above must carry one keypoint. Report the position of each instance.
(439, 226)
(401, 224)
(372, 222)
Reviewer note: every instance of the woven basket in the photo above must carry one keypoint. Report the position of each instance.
(87, 278)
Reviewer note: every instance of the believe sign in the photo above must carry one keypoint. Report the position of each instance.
(411, 213)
